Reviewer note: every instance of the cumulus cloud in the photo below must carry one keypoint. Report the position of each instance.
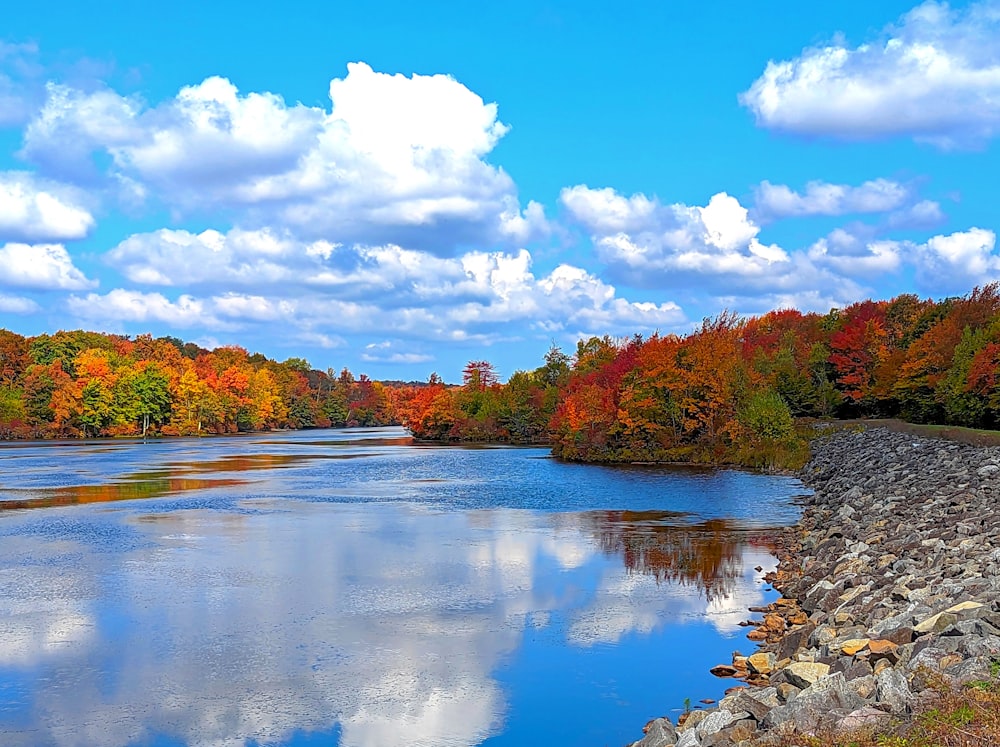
(386, 352)
(34, 210)
(395, 159)
(945, 263)
(921, 215)
(327, 286)
(650, 244)
(181, 258)
(120, 305)
(854, 255)
(40, 267)
(18, 305)
(958, 261)
(717, 248)
(64, 135)
(775, 201)
(403, 293)
(933, 76)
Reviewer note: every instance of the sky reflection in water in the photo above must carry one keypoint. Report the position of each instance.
(416, 596)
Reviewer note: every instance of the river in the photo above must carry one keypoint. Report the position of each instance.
(352, 588)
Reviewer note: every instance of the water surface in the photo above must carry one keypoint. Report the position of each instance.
(351, 588)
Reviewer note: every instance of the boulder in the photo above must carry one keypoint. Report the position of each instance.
(659, 733)
(865, 717)
(817, 707)
(716, 721)
(893, 690)
(935, 623)
(853, 645)
(762, 662)
(804, 673)
(693, 719)
(749, 704)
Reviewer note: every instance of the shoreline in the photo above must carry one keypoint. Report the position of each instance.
(890, 586)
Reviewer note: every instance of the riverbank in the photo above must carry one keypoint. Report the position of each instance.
(891, 596)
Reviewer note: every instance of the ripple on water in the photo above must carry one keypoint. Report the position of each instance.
(454, 596)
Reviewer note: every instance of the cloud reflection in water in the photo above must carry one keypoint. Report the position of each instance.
(390, 620)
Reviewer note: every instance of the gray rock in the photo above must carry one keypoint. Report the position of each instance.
(816, 707)
(689, 739)
(975, 668)
(933, 658)
(717, 721)
(865, 686)
(899, 543)
(865, 717)
(661, 733)
(693, 719)
(757, 709)
(981, 645)
(893, 690)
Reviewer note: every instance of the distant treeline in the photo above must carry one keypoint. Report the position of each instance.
(729, 391)
(91, 384)
(732, 390)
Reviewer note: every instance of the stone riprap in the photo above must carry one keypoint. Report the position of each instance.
(890, 583)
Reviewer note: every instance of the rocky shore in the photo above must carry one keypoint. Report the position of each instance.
(890, 584)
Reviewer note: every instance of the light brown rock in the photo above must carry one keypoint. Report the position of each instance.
(853, 646)
(963, 606)
(936, 623)
(774, 622)
(803, 673)
(761, 662)
(787, 691)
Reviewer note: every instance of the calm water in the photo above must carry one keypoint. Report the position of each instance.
(349, 588)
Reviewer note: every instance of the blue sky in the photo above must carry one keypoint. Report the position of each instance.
(401, 187)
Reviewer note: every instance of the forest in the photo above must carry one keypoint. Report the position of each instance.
(735, 390)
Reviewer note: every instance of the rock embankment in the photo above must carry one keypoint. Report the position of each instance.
(890, 583)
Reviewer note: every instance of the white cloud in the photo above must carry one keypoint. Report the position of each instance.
(385, 352)
(120, 306)
(922, 215)
(63, 136)
(34, 210)
(40, 267)
(408, 642)
(716, 248)
(650, 244)
(607, 212)
(181, 258)
(396, 159)
(819, 300)
(774, 201)
(266, 277)
(209, 138)
(18, 305)
(951, 263)
(855, 256)
(958, 261)
(934, 76)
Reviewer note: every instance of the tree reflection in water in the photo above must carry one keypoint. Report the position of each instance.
(707, 555)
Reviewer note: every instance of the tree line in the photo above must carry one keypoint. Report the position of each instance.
(91, 384)
(733, 390)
